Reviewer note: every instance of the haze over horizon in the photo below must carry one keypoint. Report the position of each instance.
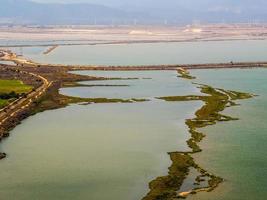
(125, 12)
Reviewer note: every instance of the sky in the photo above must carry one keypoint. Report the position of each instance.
(104, 2)
(146, 3)
(140, 3)
(121, 2)
(154, 11)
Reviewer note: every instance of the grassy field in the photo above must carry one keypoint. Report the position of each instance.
(7, 86)
(3, 103)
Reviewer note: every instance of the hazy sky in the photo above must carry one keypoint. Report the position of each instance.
(119, 2)
(138, 3)
(148, 10)
(161, 4)
(106, 2)
(141, 3)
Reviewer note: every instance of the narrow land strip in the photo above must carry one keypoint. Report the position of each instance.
(215, 101)
(6, 55)
(46, 96)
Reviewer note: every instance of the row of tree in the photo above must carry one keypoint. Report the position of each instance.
(11, 95)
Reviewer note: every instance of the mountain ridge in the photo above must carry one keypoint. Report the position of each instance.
(148, 12)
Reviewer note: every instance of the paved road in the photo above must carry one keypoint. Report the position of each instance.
(24, 102)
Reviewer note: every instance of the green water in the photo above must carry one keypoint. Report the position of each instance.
(149, 84)
(157, 53)
(112, 151)
(96, 152)
(237, 150)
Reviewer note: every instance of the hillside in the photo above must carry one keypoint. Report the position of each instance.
(24, 11)
(143, 12)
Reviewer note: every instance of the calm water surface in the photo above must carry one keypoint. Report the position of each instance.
(149, 84)
(237, 150)
(155, 53)
(99, 151)
(112, 151)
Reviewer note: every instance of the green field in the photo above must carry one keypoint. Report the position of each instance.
(11, 86)
(3, 103)
(7, 86)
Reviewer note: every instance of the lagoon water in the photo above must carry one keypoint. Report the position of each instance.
(98, 151)
(149, 84)
(153, 53)
(112, 151)
(237, 150)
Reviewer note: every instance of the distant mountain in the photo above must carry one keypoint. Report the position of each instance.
(202, 10)
(130, 11)
(24, 11)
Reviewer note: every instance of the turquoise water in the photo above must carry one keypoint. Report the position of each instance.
(237, 150)
(98, 151)
(112, 151)
(155, 53)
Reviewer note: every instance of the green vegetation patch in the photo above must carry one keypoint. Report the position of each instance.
(183, 73)
(10, 90)
(166, 187)
(102, 100)
(54, 100)
(3, 103)
(8, 86)
(75, 84)
(215, 101)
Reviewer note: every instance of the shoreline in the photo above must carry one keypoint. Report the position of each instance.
(132, 34)
(56, 77)
(241, 65)
(7, 55)
(87, 43)
(217, 100)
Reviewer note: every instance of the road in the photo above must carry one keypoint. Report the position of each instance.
(23, 103)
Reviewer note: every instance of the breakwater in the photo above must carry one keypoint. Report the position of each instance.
(241, 65)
